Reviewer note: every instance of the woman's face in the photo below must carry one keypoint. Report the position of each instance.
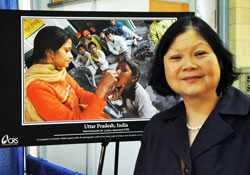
(125, 74)
(63, 55)
(191, 66)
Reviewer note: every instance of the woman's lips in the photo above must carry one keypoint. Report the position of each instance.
(191, 78)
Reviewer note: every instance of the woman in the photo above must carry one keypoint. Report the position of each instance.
(135, 99)
(51, 94)
(208, 132)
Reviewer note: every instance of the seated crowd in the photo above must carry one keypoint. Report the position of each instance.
(113, 44)
(111, 50)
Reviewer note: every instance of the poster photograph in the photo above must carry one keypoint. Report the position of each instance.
(79, 77)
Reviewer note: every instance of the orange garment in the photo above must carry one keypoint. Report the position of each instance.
(64, 100)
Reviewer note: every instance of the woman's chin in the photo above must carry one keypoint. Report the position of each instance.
(65, 66)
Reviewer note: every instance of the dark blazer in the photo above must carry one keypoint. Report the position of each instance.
(222, 146)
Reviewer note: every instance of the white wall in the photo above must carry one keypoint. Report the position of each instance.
(207, 10)
(24, 4)
(72, 157)
(84, 158)
(94, 5)
(123, 5)
(108, 5)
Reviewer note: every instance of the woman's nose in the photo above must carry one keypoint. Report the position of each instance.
(70, 55)
(189, 63)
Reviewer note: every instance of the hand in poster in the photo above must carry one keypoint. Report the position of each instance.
(114, 93)
(108, 81)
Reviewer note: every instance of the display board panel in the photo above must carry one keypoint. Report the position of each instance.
(125, 117)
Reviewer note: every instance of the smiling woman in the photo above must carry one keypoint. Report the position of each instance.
(51, 94)
(186, 66)
(208, 131)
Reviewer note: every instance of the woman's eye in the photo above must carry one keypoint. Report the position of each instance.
(68, 49)
(200, 53)
(124, 70)
(176, 57)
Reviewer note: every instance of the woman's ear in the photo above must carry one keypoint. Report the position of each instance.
(135, 78)
(50, 53)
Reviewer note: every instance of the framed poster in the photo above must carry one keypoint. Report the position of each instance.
(124, 118)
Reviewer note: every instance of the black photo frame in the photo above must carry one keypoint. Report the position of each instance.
(14, 131)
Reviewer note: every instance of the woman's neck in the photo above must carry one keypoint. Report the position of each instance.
(49, 61)
(129, 91)
(198, 108)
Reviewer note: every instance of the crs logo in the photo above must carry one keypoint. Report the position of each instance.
(9, 141)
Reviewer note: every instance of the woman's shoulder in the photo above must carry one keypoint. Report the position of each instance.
(233, 91)
(36, 84)
(161, 119)
(40, 86)
(168, 114)
(234, 101)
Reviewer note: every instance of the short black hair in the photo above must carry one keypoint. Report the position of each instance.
(91, 43)
(109, 31)
(80, 45)
(48, 38)
(225, 58)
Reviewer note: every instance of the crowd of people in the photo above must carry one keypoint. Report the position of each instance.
(112, 45)
(109, 50)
